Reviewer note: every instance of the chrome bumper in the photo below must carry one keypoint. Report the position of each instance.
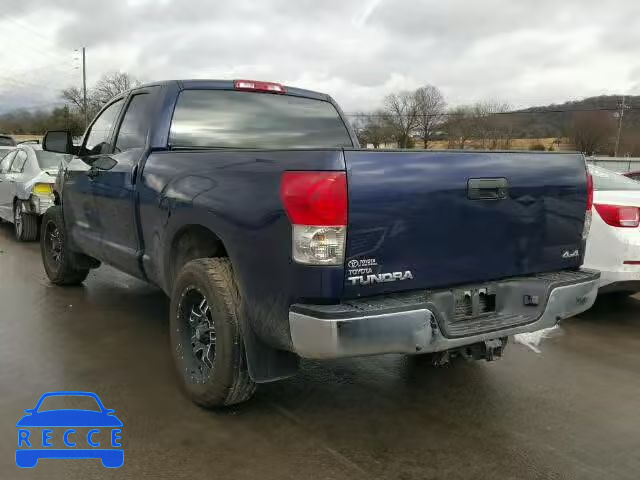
(420, 330)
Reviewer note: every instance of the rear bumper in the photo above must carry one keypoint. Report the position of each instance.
(422, 322)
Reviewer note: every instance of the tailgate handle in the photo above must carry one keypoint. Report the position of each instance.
(487, 188)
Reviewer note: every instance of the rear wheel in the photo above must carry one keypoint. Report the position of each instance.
(25, 225)
(59, 261)
(206, 340)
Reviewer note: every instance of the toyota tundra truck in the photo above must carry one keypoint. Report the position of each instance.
(277, 238)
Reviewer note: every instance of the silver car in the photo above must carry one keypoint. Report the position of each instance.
(27, 175)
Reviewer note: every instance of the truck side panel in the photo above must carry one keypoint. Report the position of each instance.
(235, 194)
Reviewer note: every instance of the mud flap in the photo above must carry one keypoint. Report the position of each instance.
(267, 364)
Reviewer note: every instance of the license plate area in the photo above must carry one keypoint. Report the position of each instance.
(472, 303)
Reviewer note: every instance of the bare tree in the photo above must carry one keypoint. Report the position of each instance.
(430, 109)
(112, 84)
(492, 127)
(592, 131)
(402, 111)
(109, 85)
(460, 126)
(74, 96)
(377, 129)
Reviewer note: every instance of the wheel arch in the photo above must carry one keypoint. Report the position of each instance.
(192, 241)
(188, 243)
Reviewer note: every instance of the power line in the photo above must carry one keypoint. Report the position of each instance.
(515, 112)
(25, 26)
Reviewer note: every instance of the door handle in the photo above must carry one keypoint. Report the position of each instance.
(487, 188)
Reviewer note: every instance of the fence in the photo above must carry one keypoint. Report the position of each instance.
(617, 164)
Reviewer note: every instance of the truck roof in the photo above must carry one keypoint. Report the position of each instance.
(214, 84)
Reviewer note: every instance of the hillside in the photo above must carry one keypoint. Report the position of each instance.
(554, 120)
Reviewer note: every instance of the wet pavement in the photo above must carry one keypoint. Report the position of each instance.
(572, 411)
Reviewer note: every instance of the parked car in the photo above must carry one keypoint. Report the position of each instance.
(27, 175)
(278, 238)
(633, 175)
(613, 246)
(6, 143)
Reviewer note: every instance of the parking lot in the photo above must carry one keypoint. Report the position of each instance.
(569, 412)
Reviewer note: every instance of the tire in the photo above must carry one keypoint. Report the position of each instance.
(58, 260)
(25, 225)
(206, 340)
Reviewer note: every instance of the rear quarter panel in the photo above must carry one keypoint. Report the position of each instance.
(235, 194)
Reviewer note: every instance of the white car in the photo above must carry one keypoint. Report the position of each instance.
(27, 175)
(613, 245)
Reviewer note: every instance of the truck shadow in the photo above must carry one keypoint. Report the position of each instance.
(614, 309)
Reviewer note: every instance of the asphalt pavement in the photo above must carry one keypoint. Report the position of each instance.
(569, 412)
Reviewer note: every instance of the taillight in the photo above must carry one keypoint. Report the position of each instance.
(619, 216)
(316, 204)
(255, 86)
(588, 215)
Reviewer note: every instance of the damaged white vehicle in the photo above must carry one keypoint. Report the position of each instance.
(27, 175)
(613, 246)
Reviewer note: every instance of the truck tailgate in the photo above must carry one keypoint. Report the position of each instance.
(456, 217)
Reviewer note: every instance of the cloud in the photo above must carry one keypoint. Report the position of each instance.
(524, 53)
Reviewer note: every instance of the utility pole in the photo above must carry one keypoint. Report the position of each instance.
(621, 108)
(84, 88)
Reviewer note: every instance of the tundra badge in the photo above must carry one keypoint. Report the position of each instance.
(380, 278)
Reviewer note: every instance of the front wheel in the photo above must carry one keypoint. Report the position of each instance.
(25, 225)
(58, 260)
(206, 340)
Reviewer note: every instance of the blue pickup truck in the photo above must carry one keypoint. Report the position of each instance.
(277, 238)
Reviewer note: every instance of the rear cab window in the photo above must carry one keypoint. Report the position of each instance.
(18, 162)
(7, 157)
(48, 160)
(234, 119)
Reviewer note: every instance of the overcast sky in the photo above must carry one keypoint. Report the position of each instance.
(523, 52)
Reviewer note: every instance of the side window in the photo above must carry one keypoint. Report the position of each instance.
(135, 125)
(18, 162)
(98, 137)
(6, 162)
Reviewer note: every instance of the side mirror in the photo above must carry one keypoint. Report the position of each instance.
(29, 410)
(104, 163)
(58, 141)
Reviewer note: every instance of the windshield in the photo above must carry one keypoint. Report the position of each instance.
(6, 141)
(48, 160)
(604, 179)
(231, 119)
(66, 402)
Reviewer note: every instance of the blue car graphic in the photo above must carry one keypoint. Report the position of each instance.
(28, 456)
